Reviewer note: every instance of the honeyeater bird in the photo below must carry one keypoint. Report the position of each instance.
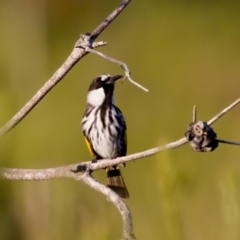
(104, 129)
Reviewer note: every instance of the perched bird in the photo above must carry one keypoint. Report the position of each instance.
(104, 129)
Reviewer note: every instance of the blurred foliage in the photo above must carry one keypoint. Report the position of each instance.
(186, 53)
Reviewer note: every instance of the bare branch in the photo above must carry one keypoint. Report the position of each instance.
(109, 19)
(117, 201)
(107, 163)
(68, 170)
(65, 171)
(81, 172)
(214, 119)
(37, 174)
(56, 78)
(85, 41)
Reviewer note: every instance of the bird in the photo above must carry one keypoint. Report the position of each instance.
(104, 129)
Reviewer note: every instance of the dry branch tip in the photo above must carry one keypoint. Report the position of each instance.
(120, 63)
(194, 113)
(228, 142)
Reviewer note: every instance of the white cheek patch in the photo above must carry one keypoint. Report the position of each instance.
(96, 97)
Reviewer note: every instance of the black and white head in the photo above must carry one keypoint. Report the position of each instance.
(101, 90)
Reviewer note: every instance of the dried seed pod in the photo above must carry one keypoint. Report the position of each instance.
(201, 137)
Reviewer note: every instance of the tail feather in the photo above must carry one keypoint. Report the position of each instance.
(116, 183)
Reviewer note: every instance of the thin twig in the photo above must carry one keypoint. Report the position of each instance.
(98, 44)
(214, 119)
(228, 142)
(121, 64)
(194, 113)
(133, 82)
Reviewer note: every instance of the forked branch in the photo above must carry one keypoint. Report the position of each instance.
(86, 40)
(67, 171)
(82, 171)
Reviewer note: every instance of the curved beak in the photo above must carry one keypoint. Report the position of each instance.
(115, 78)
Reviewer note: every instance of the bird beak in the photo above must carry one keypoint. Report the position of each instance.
(115, 78)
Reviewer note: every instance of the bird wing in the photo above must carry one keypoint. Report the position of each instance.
(125, 141)
(123, 132)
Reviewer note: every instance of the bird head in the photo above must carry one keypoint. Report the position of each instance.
(101, 89)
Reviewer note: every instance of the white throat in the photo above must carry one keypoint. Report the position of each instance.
(96, 97)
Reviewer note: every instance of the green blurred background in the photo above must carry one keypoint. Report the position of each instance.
(185, 53)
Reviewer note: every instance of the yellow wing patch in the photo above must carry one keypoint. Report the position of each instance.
(89, 147)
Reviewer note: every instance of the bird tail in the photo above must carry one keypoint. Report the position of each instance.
(116, 183)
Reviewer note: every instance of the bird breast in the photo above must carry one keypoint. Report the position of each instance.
(104, 133)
